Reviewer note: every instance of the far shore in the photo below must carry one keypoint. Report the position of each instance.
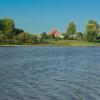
(56, 43)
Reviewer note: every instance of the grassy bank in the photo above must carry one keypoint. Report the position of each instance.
(58, 43)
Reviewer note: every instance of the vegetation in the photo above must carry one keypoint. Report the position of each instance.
(10, 35)
(92, 31)
(71, 31)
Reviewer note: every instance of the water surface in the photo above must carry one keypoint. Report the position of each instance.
(49, 73)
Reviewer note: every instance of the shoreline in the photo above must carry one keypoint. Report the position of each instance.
(97, 45)
(73, 43)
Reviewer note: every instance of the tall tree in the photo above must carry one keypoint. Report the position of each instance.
(71, 30)
(92, 29)
(95, 24)
(8, 27)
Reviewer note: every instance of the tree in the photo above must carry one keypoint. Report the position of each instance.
(7, 27)
(92, 30)
(44, 35)
(1, 32)
(17, 31)
(6, 30)
(1, 25)
(96, 25)
(3, 38)
(35, 39)
(24, 37)
(71, 30)
(79, 36)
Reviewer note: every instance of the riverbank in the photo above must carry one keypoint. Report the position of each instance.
(57, 43)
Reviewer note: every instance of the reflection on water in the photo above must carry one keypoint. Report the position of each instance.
(49, 73)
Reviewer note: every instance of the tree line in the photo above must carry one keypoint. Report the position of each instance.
(91, 34)
(9, 34)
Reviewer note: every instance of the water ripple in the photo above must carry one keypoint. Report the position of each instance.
(49, 73)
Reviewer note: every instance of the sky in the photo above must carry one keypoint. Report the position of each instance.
(37, 16)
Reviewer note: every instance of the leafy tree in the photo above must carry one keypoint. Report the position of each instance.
(98, 38)
(44, 35)
(3, 38)
(71, 30)
(35, 39)
(95, 24)
(17, 31)
(24, 37)
(92, 29)
(79, 36)
(8, 27)
(65, 35)
(1, 32)
(1, 25)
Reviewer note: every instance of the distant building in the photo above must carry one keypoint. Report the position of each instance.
(55, 32)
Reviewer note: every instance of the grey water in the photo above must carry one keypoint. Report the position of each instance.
(49, 73)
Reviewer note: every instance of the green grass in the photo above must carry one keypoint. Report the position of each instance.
(69, 43)
(58, 43)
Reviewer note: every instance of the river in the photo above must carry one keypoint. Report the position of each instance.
(49, 73)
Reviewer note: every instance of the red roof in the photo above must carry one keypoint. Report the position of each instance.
(53, 31)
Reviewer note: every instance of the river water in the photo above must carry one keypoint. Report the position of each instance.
(49, 73)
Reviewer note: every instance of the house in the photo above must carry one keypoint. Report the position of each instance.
(55, 32)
